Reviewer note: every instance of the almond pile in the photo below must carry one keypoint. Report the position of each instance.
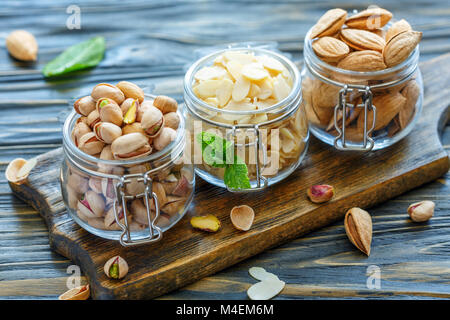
(364, 43)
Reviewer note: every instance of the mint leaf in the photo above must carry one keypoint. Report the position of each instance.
(218, 152)
(80, 56)
(236, 175)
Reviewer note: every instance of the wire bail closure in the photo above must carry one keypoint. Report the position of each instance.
(261, 181)
(340, 142)
(155, 233)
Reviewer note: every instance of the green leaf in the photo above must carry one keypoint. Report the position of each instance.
(80, 56)
(236, 175)
(218, 152)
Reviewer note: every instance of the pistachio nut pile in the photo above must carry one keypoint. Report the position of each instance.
(364, 42)
(243, 81)
(120, 123)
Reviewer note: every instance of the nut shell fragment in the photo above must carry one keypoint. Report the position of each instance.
(19, 169)
(242, 217)
(358, 226)
(78, 293)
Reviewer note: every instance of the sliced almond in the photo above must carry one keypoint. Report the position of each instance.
(261, 274)
(400, 47)
(362, 39)
(210, 73)
(271, 64)
(363, 61)
(208, 88)
(223, 93)
(266, 88)
(281, 88)
(240, 57)
(330, 49)
(329, 23)
(369, 19)
(358, 226)
(252, 72)
(242, 217)
(234, 68)
(396, 28)
(241, 88)
(265, 290)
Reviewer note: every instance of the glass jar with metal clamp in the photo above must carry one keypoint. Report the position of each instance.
(361, 111)
(263, 139)
(135, 200)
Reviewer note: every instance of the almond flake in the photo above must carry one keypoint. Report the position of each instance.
(210, 73)
(208, 88)
(280, 88)
(223, 93)
(234, 68)
(265, 290)
(253, 73)
(241, 88)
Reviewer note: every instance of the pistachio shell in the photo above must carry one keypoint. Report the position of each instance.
(166, 136)
(131, 90)
(152, 121)
(242, 217)
(173, 205)
(171, 120)
(105, 90)
(93, 118)
(79, 130)
(89, 144)
(130, 146)
(140, 212)
(107, 132)
(19, 169)
(84, 105)
(78, 183)
(421, 211)
(78, 293)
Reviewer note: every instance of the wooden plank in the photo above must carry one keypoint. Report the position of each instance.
(283, 213)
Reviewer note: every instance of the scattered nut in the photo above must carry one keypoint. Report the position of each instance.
(207, 223)
(320, 193)
(116, 268)
(78, 293)
(22, 45)
(421, 211)
(242, 217)
(19, 169)
(358, 226)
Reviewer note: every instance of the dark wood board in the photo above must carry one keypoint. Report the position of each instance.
(282, 211)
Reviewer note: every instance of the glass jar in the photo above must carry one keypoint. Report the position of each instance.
(133, 201)
(271, 141)
(361, 110)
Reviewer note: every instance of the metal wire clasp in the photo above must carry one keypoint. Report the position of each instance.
(155, 233)
(340, 142)
(257, 143)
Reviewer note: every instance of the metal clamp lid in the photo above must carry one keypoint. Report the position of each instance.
(155, 233)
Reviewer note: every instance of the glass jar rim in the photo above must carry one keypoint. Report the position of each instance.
(286, 102)
(310, 55)
(74, 150)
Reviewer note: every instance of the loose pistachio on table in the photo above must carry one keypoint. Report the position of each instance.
(116, 268)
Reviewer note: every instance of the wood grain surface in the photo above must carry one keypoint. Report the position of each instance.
(152, 46)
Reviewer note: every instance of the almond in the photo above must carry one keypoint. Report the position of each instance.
(358, 226)
(330, 49)
(396, 28)
(411, 93)
(400, 47)
(324, 95)
(363, 61)
(362, 39)
(329, 23)
(387, 107)
(22, 45)
(370, 19)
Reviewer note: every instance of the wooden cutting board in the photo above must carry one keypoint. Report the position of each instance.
(282, 211)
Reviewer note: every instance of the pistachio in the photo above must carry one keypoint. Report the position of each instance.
(22, 45)
(207, 223)
(95, 184)
(358, 226)
(131, 90)
(130, 115)
(108, 188)
(89, 144)
(165, 104)
(165, 138)
(421, 211)
(96, 223)
(105, 90)
(130, 146)
(182, 187)
(110, 112)
(152, 121)
(116, 268)
(77, 182)
(135, 187)
(173, 205)
(107, 132)
(102, 102)
(242, 217)
(79, 130)
(163, 221)
(142, 108)
(171, 120)
(140, 212)
(78, 293)
(72, 197)
(133, 127)
(110, 218)
(19, 169)
(84, 105)
(91, 205)
(93, 118)
(170, 183)
(158, 189)
(320, 193)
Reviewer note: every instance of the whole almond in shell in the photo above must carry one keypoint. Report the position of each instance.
(387, 107)
(22, 45)
(400, 47)
(330, 49)
(324, 95)
(411, 93)
(396, 28)
(370, 19)
(362, 39)
(329, 23)
(358, 226)
(363, 61)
